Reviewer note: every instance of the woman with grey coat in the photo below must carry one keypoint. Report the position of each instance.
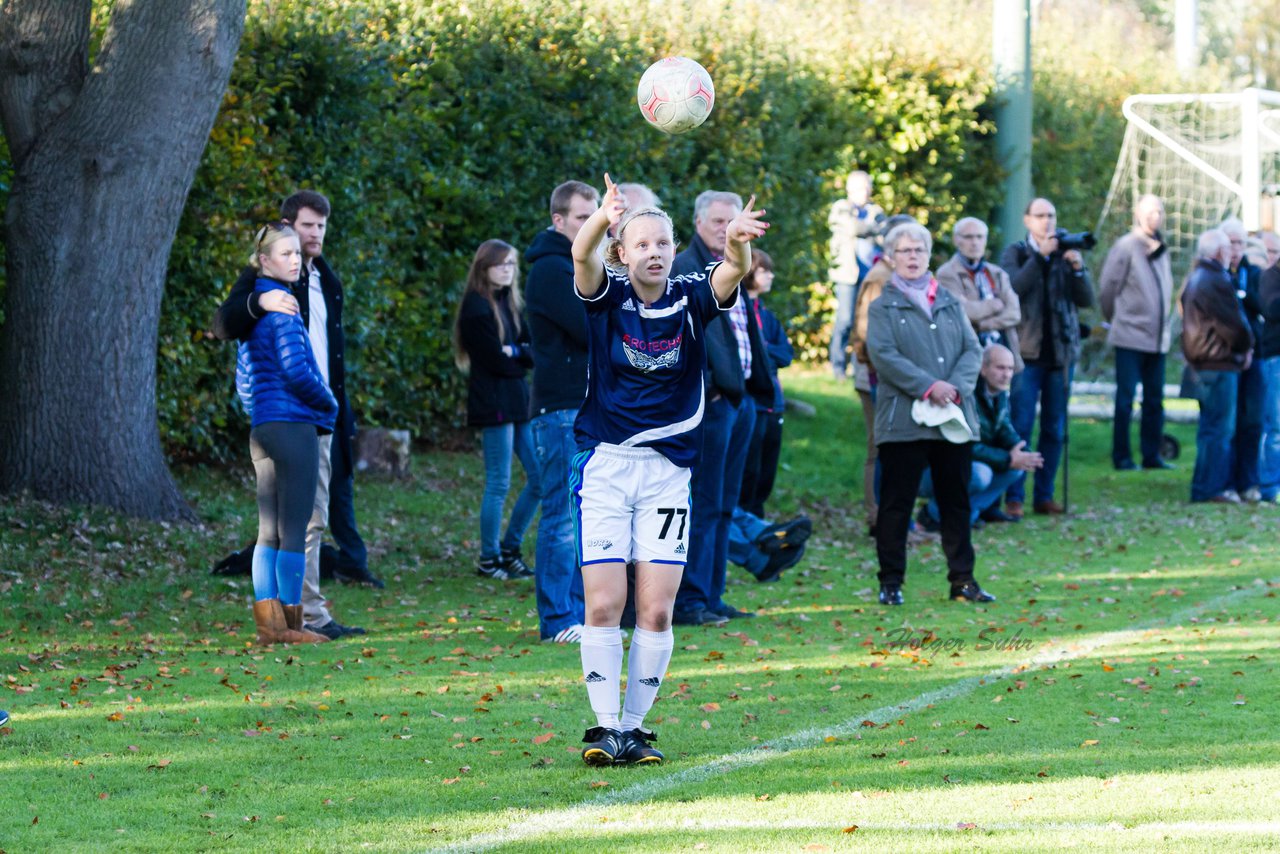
(926, 358)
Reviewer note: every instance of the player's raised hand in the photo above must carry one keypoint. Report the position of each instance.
(614, 203)
(748, 225)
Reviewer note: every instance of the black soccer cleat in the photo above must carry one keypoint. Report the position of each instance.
(890, 594)
(970, 592)
(637, 750)
(604, 746)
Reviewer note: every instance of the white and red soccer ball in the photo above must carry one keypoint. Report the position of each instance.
(675, 94)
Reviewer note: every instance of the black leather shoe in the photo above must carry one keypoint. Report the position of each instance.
(779, 562)
(1127, 465)
(970, 592)
(358, 575)
(724, 609)
(698, 617)
(995, 514)
(334, 630)
(789, 534)
(1159, 465)
(890, 594)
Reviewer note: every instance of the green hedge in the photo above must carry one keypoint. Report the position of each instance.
(433, 126)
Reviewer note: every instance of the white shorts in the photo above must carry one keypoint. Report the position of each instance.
(630, 504)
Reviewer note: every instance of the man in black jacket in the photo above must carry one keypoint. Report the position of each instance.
(558, 327)
(317, 297)
(1052, 285)
(1218, 344)
(737, 374)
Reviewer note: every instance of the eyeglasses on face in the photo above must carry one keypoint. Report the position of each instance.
(911, 250)
(505, 264)
(978, 236)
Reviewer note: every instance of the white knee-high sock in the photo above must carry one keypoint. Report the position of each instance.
(602, 671)
(650, 655)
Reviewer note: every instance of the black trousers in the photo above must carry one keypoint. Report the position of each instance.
(762, 462)
(902, 464)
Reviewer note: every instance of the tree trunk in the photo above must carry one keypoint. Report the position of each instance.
(103, 159)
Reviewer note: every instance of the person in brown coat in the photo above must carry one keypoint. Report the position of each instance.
(1136, 296)
(989, 300)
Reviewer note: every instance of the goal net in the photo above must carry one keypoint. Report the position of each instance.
(1209, 157)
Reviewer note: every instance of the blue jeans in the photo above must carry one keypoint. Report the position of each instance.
(557, 576)
(846, 299)
(499, 444)
(1216, 392)
(1048, 386)
(1250, 415)
(985, 489)
(715, 483)
(743, 530)
(1269, 463)
(1133, 367)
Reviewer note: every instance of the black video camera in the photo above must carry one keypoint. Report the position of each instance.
(1067, 241)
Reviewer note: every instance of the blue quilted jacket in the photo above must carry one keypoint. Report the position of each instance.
(276, 373)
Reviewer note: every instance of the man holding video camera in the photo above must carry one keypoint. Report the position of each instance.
(1048, 273)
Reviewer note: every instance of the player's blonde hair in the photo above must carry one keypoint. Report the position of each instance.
(611, 257)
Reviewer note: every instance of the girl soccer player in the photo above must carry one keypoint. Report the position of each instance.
(638, 434)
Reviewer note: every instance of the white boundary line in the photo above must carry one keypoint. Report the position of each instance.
(537, 824)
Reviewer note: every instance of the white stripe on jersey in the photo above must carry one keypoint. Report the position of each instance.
(670, 429)
(674, 308)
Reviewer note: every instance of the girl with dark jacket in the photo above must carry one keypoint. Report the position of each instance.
(491, 345)
(290, 404)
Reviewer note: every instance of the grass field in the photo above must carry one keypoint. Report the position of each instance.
(1120, 695)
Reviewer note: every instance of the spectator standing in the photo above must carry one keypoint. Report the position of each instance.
(926, 356)
(1251, 396)
(856, 223)
(1269, 353)
(558, 329)
(736, 376)
(1136, 297)
(766, 440)
(317, 297)
(1218, 342)
(1052, 284)
(983, 288)
(491, 345)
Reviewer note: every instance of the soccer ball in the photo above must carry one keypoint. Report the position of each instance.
(675, 94)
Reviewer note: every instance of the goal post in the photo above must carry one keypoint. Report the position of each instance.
(1208, 156)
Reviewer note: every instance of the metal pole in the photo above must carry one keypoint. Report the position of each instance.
(1250, 160)
(1011, 55)
(1186, 36)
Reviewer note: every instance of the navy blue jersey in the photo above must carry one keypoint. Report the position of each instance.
(645, 374)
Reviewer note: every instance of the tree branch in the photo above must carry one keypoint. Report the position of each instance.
(44, 59)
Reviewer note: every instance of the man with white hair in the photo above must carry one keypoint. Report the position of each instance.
(1252, 392)
(989, 300)
(1136, 297)
(1218, 344)
(737, 375)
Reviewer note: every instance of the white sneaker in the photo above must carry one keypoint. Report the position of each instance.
(1230, 496)
(1253, 495)
(572, 634)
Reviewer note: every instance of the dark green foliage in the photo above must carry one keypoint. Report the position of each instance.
(434, 126)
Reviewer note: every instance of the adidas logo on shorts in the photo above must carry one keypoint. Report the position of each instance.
(679, 549)
(628, 305)
(593, 677)
(651, 681)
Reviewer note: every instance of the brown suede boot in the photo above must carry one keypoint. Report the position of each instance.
(293, 626)
(269, 619)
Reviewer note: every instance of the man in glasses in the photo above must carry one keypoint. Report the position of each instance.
(1052, 284)
(317, 297)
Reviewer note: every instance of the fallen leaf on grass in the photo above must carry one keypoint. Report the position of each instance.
(966, 825)
(1089, 742)
(163, 763)
(544, 738)
(710, 707)
(599, 784)
(449, 781)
